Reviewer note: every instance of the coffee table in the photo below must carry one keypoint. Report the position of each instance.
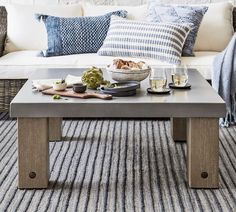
(194, 116)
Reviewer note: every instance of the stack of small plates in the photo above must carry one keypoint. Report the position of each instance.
(121, 88)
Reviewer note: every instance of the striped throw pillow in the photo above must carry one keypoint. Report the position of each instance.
(162, 41)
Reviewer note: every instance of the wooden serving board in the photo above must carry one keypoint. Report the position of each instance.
(71, 93)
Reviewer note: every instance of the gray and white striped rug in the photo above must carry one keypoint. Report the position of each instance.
(116, 165)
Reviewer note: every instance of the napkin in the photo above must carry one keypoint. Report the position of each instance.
(71, 79)
(44, 84)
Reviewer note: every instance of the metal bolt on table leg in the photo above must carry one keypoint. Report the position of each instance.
(32, 175)
(204, 175)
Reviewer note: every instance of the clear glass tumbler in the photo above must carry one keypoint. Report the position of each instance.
(179, 75)
(158, 79)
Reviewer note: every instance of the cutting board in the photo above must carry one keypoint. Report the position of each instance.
(71, 93)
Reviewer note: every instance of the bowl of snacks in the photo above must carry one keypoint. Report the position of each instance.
(59, 85)
(122, 70)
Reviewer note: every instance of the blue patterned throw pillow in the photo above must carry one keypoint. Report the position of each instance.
(178, 14)
(76, 35)
(161, 41)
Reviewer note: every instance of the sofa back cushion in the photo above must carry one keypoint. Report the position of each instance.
(134, 12)
(24, 32)
(214, 33)
(216, 29)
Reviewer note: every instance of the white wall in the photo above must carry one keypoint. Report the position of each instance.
(116, 2)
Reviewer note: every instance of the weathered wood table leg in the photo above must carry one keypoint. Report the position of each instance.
(55, 130)
(33, 153)
(203, 152)
(179, 129)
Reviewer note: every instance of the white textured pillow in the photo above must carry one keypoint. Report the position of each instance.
(24, 32)
(134, 12)
(216, 29)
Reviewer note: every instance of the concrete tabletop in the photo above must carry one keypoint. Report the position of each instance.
(200, 101)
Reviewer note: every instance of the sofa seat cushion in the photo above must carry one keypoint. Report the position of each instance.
(20, 64)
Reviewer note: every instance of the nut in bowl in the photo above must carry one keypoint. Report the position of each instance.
(122, 70)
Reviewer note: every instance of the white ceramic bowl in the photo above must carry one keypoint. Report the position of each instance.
(121, 75)
(59, 87)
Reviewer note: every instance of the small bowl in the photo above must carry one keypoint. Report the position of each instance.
(122, 75)
(79, 88)
(59, 87)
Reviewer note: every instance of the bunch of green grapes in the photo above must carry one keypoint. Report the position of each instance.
(93, 78)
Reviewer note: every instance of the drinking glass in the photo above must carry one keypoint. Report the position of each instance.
(158, 79)
(179, 75)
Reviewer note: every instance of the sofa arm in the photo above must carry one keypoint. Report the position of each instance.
(3, 28)
(2, 42)
(8, 90)
(234, 18)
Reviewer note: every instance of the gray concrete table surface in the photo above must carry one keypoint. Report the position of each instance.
(194, 113)
(200, 101)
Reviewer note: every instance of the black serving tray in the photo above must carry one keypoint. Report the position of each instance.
(122, 86)
(119, 94)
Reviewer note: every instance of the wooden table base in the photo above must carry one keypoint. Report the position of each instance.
(33, 152)
(202, 136)
(202, 150)
(55, 130)
(179, 129)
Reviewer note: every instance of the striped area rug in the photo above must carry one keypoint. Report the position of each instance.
(116, 165)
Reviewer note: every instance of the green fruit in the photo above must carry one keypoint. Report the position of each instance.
(56, 97)
(93, 78)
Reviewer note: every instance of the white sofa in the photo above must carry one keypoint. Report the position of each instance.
(26, 37)
(22, 48)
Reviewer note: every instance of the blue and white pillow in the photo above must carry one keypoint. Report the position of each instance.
(162, 41)
(178, 14)
(76, 35)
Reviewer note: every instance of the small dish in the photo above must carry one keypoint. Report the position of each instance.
(59, 86)
(79, 88)
(119, 93)
(165, 91)
(187, 86)
(122, 86)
